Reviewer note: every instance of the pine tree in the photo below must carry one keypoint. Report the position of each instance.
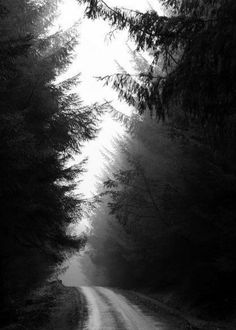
(42, 124)
(194, 43)
(175, 196)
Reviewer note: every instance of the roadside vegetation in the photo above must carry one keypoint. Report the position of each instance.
(51, 306)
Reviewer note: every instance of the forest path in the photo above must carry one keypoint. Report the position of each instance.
(109, 309)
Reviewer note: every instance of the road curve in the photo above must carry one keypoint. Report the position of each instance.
(108, 309)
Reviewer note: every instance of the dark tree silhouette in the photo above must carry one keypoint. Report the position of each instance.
(175, 194)
(41, 124)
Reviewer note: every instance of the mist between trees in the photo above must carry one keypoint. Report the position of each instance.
(166, 221)
(164, 218)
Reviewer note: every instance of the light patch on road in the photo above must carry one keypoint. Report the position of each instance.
(110, 310)
(94, 321)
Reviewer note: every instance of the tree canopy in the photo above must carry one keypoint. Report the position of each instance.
(193, 45)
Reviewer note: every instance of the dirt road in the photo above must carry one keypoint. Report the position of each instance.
(108, 309)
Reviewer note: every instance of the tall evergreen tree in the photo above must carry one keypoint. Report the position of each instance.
(177, 196)
(41, 125)
(194, 43)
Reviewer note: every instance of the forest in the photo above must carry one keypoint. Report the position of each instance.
(163, 219)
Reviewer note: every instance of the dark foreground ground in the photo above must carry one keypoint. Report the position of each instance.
(52, 307)
(56, 307)
(180, 318)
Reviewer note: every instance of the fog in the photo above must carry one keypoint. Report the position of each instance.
(97, 55)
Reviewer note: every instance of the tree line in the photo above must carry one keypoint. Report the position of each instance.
(169, 217)
(173, 187)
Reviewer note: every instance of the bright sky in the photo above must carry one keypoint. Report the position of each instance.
(96, 56)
